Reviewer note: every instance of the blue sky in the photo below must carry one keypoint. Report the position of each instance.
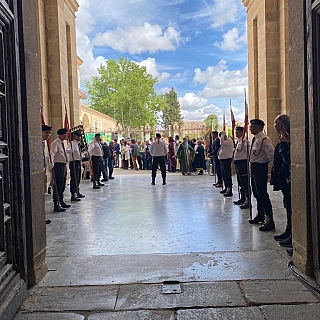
(198, 47)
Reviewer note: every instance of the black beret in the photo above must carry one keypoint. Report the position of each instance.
(46, 128)
(257, 122)
(62, 131)
(239, 128)
(77, 133)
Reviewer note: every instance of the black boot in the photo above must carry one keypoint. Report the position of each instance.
(74, 197)
(164, 181)
(240, 201)
(285, 235)
(153, 182)
(268, 224)
(64, 205)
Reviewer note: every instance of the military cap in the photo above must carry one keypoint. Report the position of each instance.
(46, 127)
(77, 133)
(62, 131)
(257, 122)
(97, 135)
(239, 128)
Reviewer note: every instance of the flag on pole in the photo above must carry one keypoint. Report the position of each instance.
(224, 121)
(233, 121)
(246, 117)
(41, 116)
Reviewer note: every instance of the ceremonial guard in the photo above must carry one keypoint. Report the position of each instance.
(59, 162)
(158, 151)
(75, 166)
(240, 160)
(261, 154)
(281, 173)
(215, 159)
(96, 153)
(225, 156)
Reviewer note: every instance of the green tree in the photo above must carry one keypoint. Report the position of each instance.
(212, 119)
(171, 112)
(125, 91)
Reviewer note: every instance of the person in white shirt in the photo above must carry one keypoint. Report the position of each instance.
(240, 160)
(261, 154)
(96, 153)
(158, 151)
(225, 156)
(59, 160)
(75, 166)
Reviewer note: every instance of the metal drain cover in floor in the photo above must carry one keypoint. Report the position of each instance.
(171, 287)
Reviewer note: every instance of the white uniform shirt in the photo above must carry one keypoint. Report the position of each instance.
(95, 149)
(58, 152)
(226, 148)
(261, 150)
(158, 148)
(75, 151)
(240, 152)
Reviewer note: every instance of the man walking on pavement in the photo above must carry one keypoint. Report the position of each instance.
(261, 154)
(158, 150)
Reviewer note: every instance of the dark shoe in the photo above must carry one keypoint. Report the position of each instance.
(228, 194)
(48, 221)
(103, 180)
(100, 184)
(219, 185)
(244, 206)
(290, 252)
(75, 199)
(111, 178)
(58, 209)
(223, 191)
(286, 243)
(64, 205)
(256, 220)
(164, 183)
(282, 236)
(81, 195)
(240, 201)
(96, 187)
(153, 183)
(200, 173)
(267, 224)
(49, 190)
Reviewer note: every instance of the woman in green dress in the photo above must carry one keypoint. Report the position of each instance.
(185, 154)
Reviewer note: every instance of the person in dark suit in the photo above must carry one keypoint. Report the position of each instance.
(216, 161)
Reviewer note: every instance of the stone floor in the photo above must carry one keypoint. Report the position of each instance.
(109, 254)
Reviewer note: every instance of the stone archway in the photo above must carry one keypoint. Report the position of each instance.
(85, 122)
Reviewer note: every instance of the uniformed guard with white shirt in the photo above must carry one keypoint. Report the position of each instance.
(158, 150)
(75, 166)
(240, 160)
(261, 154)
(96, 153)
(59, 161)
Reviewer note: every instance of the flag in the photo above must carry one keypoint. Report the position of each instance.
(233, 120)
(246, 119)
(66, 123)
(42, 117)
(224, 121)
(207, 136)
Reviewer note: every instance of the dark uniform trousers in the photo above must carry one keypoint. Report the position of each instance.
(259, 182)
(286, 192)
(242, 177)
(75, 173)
(158, 161)
(96, 167)
(226, 172)
(60, 174)
(217, 169)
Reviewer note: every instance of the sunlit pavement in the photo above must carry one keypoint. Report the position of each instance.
(108, 255)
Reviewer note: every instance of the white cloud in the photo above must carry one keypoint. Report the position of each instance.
(232, 41)
(139, 39)
(201, 113)
(191, 101)
(221, 82)
(152, 68)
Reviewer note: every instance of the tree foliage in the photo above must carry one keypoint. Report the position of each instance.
(125, 91)
(171, 113)
(212, 119)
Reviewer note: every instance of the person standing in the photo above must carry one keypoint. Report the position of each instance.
(158, 151)
(117, 153)
(172, 161)
(225, 156)
(59, 161)
(111, 160)
(281, 175)
(199, 160)
(75, 166)
(96, 153)
(240, 160)
(215, 159)
(261, 154)
(185, 154)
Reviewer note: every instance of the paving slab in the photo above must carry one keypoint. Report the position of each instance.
(250, 313)
(48, 316)
(155, 268)
(90, 298)
(134, 315)
(197, 294)
(292, 312)
(277, 292)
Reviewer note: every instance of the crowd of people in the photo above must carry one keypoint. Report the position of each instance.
(251, 161)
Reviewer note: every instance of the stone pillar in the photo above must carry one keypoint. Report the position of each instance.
(169, 130)
(142, 132)
(147, 132)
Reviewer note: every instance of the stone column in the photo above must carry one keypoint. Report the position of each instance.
(169, 130)
(147, 132)
(142, 132)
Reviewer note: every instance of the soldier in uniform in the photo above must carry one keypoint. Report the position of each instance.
(261, 154)
(96, 153)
